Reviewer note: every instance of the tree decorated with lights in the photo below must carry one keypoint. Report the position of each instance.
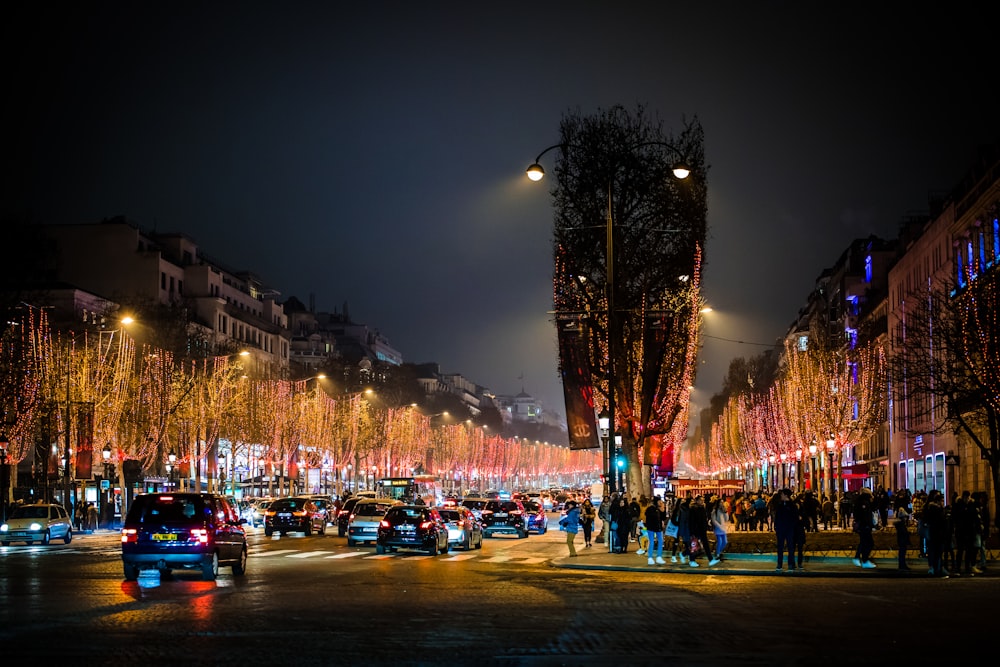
(946, 364)
(614, 185)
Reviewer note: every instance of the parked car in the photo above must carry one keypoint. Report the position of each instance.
(295, 514)
(538, 520)
(412, 527)
(167, 531)
(506, 517)
(363, 524)
(40, 522)
(344, 515)
(464, 529)
(255, 514)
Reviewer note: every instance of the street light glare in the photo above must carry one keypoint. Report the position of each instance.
(535, 172)
(681, 171)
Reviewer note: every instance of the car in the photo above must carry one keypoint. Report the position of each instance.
(538, 520)
(412, 527)
(476, 505)
(40, 522)
(325, 504)
(464, 529)
(294, 514)
(255, 513)
(365, 517)
(507, 517)
(344, 515)
(168, 531)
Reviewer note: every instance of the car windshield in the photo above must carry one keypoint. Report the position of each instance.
(30, 512)
(370, 509)
(167, 508)
(475, 504)
(288, 504)
(532, 506)
(405, 514)
(451, 515)
(502, 506)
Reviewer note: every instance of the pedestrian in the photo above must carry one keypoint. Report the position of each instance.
(78, 516)
(621, 524)
(901, 522)
(634, 511)
(919, 498)
(571, 524)
(720, 526)
(604, 514)
(983, 505)
(679, 516)
(968, 529)
(799, 535)
(784, 516)
(91, 516)
(587, 515)
(698, 527)
(936, 526)
(863, 513)
(828, 512)
(640, 527)
(655, 520)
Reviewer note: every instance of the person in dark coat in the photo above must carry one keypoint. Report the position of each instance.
(785, 518)
(936, 526)
(679, 515)
(621, 521)
(698, 527)
(902, 524)
(864, 524)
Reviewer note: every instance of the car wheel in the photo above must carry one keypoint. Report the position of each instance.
(46, 538)
(350, 542)
(447, 546)
(307, 529)
(210, 570)
(322, 529)
(69, 536)
(268, 531)
(379, 549)
(131, 572)
(433, 550)
(240, 566)
(340, 531)
(467, 543)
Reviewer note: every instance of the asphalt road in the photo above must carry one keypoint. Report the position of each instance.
(315, 601)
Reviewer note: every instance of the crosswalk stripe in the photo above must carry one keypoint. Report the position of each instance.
(352, 554)
(309, 554)
(279, 552)
(458, 557)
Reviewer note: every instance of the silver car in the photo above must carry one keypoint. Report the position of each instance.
(37, 523)
(363, 525)
(464, 529)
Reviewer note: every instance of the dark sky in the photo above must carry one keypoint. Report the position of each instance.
(373, 153)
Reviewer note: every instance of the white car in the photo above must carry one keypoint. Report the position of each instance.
(367, 514)
(37, 523)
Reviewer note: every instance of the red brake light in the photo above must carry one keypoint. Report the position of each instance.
(200, 534)
(426, 524)
(384, 524)
(129, 535)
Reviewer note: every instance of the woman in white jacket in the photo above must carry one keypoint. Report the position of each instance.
(719, 517)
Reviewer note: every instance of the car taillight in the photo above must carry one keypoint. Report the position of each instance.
(200, 534)
(384, 524)
(129, 535)
(426, 525)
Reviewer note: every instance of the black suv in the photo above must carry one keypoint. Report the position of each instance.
(504, 516)
(166, 531)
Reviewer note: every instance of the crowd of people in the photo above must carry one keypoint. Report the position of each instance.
(950, 536)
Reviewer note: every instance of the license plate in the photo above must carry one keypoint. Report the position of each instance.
(367, 530)
(501, 515)
(164, 537)
(407, 529)
(284, 516)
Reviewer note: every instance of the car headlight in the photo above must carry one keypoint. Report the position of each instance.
(3, 528)
(35, 526)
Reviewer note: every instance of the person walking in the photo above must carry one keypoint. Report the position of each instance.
(698, 528)
(621, 525)
(936, 529)
(796, 558)
(864, 523)
(784, 516)
(604, 514)
(828, 512)
(901, 522)
(571, 524)
(720, 526)
(655, 520)
(587, 515)
(679, 516)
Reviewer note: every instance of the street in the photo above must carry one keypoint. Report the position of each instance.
(315, 601)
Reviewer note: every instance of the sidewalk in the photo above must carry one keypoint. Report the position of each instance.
(744, 564)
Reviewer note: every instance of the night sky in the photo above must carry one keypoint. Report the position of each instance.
(373, 153)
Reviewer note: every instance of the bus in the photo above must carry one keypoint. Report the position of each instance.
(407, 489)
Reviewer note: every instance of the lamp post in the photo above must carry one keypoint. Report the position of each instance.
(222, 471)
(680, 171)
(172, 465)
(812, 467)
(4, 476)
(831, 445)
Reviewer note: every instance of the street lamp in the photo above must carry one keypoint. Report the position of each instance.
(831, 444)
(680, 171)
(812, 467)
(172, 465)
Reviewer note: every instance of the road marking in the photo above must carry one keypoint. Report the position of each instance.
(309, 554)
(352, 554)
(460, 557)
(278, 552)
